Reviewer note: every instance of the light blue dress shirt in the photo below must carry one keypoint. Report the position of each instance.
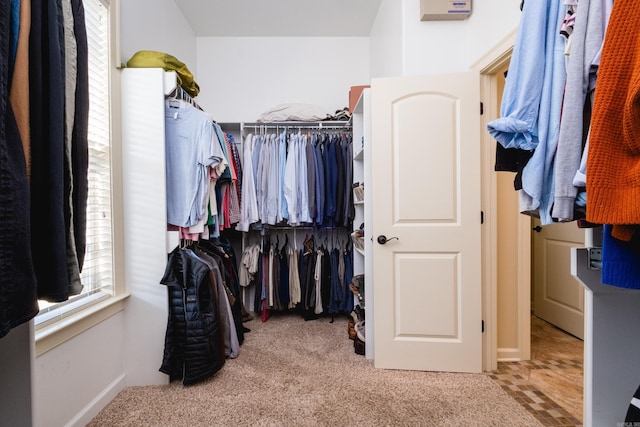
(532, 100)
(283, 212)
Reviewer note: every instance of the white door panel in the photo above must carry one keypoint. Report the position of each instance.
(426, 192)
(558, 298)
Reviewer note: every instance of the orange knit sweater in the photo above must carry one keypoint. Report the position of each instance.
(613, 164)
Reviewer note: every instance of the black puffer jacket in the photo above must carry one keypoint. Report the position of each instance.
(194, 346)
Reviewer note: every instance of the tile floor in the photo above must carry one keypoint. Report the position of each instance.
(550, 384)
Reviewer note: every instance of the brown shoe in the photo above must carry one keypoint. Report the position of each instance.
(352, 330)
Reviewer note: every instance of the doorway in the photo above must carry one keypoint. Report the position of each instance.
(508, 246)
(532, 260)
(511, 254)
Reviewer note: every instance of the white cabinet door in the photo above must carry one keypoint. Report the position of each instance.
(558, 297)
(426, 192)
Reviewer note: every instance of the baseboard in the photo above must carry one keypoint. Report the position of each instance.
(509, 355)
(100, 401)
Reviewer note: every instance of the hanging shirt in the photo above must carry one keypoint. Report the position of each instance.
(290, 191)
(331, 180)
(320, 183)
(272, 184)
(190, 150)
(587, 38)
(517, 125)
(532, 100)
(249, 204)
(317, 282)
(349, 211)
(340, 182)
(283, 211)
(295, 293)
(257, 177)
(301, 183)
(311, 177)
(261, 175)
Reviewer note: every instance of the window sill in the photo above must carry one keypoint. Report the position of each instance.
(50, 336)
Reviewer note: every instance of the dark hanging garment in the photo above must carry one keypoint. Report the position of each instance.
(264, 309)
(340, 182)
(310, 299)
(283, 284)
(349, 210)
(331, 179)
(257, 283)
(328, 278)
(14, 30)
(70, 62)
(303, 263)
(307, 284)
(275, 279)
(346, 305)
(234, 284)
(311, 177)
(18, 302)
(310, 296)
(79, 141)
(320, 182)
(47, 106)
(333, 292)
(633, 413)
(194, 345)
(512, 160)
(223, 249)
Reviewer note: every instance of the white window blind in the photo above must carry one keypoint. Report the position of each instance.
(97, 272)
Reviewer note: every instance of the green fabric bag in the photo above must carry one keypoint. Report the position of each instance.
(153, 59)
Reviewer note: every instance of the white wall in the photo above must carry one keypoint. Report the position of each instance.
(452, 46)
(156, 25)
(16, 350)
(241, 77)
(73, 381)
(385, 40)
(143, 177)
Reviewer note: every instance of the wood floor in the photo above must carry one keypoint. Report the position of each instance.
(550, 384)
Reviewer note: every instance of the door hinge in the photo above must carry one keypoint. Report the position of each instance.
(483, 326)
(481, 108)
(481, 217)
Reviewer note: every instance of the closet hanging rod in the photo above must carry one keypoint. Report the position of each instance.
(305, 125)
(301, 227)
(346, 128)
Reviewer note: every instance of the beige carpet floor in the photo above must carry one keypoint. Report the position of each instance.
(296, 373)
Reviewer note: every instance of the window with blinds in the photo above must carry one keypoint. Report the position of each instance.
(97, 271)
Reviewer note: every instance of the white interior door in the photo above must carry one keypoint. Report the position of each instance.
(558, 297)
(426, 192)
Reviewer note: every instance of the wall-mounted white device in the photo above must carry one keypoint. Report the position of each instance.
(444, 10)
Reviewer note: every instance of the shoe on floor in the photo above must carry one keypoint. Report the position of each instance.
(359, 346)
(360, 331)
(352, 330)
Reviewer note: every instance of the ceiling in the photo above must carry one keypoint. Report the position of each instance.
(280, 18)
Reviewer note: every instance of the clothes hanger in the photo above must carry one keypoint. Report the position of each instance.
(174, 100)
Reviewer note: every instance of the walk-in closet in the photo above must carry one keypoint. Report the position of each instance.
(294, 213)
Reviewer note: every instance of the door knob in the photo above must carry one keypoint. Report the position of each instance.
(382, 239)
(537, 229)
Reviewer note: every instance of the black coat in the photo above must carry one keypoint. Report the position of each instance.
(18, 301)
(46, 109)
(194, 346)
